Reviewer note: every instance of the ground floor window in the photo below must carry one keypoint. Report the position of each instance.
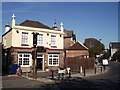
(53, 60)
(24, 60)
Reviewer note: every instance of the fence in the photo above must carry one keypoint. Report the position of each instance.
(76, 63)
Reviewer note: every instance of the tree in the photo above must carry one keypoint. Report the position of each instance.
(95, 46)
(116, 56)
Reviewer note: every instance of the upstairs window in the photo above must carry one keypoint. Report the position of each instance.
(40, 39)
(24, 38)
(53, 40)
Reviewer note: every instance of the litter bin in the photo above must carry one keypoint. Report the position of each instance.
(12, 68)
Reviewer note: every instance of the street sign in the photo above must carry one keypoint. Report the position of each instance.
(105, 62)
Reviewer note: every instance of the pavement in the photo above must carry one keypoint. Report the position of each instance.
(47, 76)
(44, 78)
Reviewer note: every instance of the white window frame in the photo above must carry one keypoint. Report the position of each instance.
(53, 40)
(25, 38)
(5, 41)
(52, 59)
(30, 59)
(40, 39)
(41, 56)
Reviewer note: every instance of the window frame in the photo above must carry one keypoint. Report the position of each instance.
(53, 40)
(39, 40)
(53, 60)
(24, 38)
(5, 42)
(23, 58)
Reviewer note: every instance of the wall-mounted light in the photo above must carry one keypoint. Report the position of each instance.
(47, 34)
(17, 31)
(60, 35)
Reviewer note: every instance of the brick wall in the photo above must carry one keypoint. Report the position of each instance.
(74, 53)
(68, 42)
(75, 63)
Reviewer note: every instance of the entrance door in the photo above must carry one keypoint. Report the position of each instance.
(39, 63)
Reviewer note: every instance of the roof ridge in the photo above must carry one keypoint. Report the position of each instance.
(77, 46)
(82, 44)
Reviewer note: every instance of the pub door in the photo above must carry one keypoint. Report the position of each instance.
(39, 63)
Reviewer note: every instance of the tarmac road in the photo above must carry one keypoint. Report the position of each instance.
(109, 79)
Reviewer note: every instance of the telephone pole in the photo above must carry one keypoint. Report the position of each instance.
(34, 55)
(34, 64)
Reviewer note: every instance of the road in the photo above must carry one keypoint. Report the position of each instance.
(110, 79)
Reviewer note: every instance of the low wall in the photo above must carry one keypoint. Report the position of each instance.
(75, 63)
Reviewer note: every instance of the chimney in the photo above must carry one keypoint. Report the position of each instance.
(7, 27)
(54, 25)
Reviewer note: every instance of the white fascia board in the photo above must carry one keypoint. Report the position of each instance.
(37, 29)
(82, 45)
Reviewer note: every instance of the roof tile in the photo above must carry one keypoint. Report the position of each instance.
(77, 46)
(36, 24)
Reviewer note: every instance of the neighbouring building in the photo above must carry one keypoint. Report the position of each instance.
(114, 47)
(77, 50)
(19, 40)
(69, 38)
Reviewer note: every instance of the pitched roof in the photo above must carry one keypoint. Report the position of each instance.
(78, 46)
(36, 24)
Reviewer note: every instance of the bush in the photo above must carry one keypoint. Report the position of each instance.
(116, 56)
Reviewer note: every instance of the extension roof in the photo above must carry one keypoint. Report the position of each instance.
(115, 45)
(36, 24)
(77, 46)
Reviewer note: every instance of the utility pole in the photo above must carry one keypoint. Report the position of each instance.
(34, 55)
(34, 64)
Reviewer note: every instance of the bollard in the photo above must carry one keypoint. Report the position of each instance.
(101, 69)
(95, 70)
(84, 72)
(81, 69)
(70, 74)
(52, 74)
(62, 75)
(59, 76)
(104, 67)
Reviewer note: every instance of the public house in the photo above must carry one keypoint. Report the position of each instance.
(30, 40)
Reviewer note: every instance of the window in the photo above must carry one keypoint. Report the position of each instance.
(24, 60)
(53, 60)
(40, 39)
(53, 40)
(24, 38)
(5, 42)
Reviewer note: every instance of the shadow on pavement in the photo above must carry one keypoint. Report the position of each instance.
(83, 83)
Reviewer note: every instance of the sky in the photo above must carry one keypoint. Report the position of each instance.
(97, 20)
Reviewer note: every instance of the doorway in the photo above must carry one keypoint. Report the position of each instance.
(40, 63)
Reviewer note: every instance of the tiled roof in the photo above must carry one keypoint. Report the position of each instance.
(78, 46)
(36, 24)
